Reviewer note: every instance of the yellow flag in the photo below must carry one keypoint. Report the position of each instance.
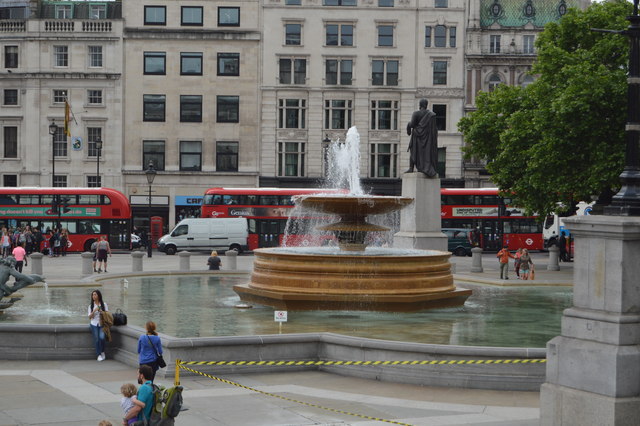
(67, 116)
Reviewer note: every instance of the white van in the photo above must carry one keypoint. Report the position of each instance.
(206, 234)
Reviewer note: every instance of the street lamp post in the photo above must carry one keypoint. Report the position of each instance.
(151, 175)
(98, 152)
(53, 129)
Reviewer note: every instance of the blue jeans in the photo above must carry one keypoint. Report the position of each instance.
(98, 338)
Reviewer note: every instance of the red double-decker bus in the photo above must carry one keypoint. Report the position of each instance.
(86, 213)
(499, 222)
(267, 210)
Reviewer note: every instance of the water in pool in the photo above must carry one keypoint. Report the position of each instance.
(198, 306)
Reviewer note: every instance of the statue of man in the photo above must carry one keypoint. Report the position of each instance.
(423, 146)
(7, 269)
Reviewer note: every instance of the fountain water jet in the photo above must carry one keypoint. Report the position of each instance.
(352, 276)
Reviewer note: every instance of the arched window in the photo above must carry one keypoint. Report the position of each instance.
(527, 80)
(494, 81)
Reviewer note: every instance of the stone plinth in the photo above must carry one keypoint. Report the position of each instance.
(420, 222)
(593, 367)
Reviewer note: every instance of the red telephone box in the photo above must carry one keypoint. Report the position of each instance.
(156, 230)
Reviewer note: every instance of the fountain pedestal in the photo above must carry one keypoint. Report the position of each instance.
(420, 222)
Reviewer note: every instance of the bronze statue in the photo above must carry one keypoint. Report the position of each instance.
(7, 269)
(423, 145)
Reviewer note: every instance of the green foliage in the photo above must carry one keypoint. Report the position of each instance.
(561, 139)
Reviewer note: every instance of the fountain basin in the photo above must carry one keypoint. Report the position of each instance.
(377, 279)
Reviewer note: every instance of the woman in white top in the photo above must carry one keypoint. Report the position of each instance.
(5, 242)
(97, 305)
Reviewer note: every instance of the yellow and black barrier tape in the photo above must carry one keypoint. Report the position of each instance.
(368, 363)
(181, 364)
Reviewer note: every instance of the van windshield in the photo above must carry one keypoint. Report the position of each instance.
(180, 230)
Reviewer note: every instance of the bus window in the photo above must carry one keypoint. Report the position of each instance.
(89, 199)
(8, 199)
(28, 199)
(230, 200)
(251, 199)
(286, 200)
(268, 200)
(70, 226)
(252, 226)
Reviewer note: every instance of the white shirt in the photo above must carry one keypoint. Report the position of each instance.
(95, 319)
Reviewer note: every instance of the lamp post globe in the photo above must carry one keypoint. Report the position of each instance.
(150, 173)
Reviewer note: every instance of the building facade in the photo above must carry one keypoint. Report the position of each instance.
(56, 54)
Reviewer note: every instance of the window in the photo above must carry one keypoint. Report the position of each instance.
(293, 34)
(95, 56)
(226, 156)
(60, 143)
(191, 63)
(337, 114)
(228, 16)
(494, 44)
(60, 181)
(293, 2)
(290, 158)
(440, 36)
(153, 151)
(155, 63)
(94, 134)
(10, 97)
(155, 15)
(384, 115)
(60, 56)
(191, 15)
(384, 160)
(94, 97)
(11, 56)
(229, 64)
(339, 35)
(385, 35)
(292, 113)
(452, 37)
(528, 44)
(93, 182)
(494, 81)
(10, 180)
(59, 96)
(191, 156)
(339, 71)
(191, 108)
(441, 116)
(10, 138)
(153, 107)
(293, 71)
(527, 80)
(63, 11)
(441, 164)
(339, 2)
(384, 73)
(427, 36)
(385, 3)
(228, 109)
(97, 11)
(441, 3)
(439, 72)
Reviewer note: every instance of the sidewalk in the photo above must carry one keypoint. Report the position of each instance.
(85, 392)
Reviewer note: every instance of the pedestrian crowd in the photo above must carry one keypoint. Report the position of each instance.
(53, 242)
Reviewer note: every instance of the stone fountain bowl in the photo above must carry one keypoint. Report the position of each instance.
(353, 205)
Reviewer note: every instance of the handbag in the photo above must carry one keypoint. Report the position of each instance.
(159, 358)
(119, 317)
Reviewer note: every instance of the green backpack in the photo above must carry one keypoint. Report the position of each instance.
(167, 402)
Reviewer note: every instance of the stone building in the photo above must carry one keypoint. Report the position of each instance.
(55, 53)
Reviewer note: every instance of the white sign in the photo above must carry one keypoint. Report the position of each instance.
(280, 316)
(156, 200)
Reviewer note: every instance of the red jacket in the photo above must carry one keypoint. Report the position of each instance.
(504, 256)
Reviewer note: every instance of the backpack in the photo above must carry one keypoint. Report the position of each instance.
(167, 403)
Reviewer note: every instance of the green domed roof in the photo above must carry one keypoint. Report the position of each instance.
(517, 13)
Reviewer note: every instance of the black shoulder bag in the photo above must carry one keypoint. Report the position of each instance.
(159, 358)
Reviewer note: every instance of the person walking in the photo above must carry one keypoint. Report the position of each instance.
(562, 245)
(97, 305)
(103, 249)
(214, 261)
(5, 241)
(526, 264)
(149, 348)
(503, 256)
(64, 241)
(21, 256)
(516, 262)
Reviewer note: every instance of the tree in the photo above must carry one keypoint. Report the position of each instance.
(561, 139)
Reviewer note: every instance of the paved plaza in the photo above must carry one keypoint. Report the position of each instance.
(85, 392)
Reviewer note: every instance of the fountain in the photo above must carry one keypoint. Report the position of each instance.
(8, 295)
(351, 276)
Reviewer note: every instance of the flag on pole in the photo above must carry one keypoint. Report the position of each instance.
(67, 116)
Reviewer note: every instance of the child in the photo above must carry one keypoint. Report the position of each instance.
(129, 399)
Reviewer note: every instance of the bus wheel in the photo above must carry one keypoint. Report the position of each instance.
(236, 248)
(87, 245)
(170, 250)
(460, 251)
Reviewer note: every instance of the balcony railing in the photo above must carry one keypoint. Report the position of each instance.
(13, 25)
(77, 25)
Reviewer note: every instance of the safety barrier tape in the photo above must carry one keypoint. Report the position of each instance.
(182, 364)
(370, 363)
